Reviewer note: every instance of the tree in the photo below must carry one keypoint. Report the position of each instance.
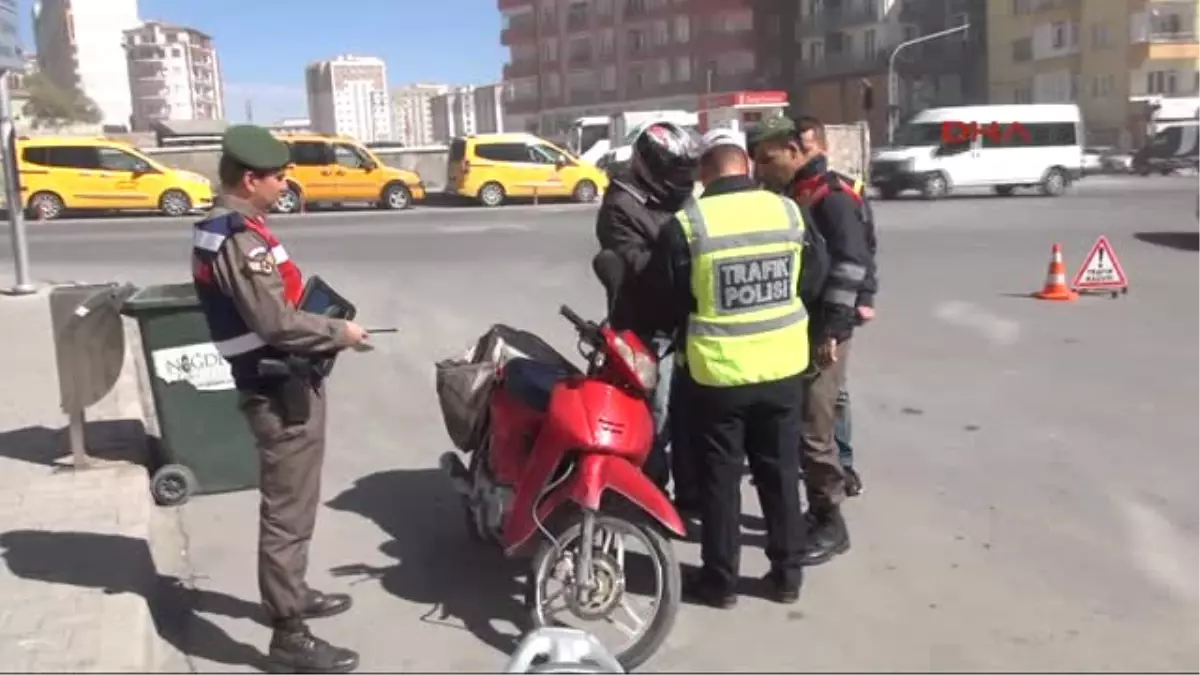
(51, 105)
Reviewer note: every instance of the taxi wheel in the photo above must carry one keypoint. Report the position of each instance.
(585, 192)
(396, 197)
(289, 201)
(491, 194)
(174, 203)
(45, 206)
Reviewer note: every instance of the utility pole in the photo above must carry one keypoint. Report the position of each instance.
(12, 192)
(893, 85)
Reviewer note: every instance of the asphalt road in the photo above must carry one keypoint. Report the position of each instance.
(1031, 467)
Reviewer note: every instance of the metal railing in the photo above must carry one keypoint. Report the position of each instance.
(833, 18)
(844, 65)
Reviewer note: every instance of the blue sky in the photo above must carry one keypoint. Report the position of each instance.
(264, 46)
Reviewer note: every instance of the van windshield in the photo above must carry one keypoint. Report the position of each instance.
(919, 134)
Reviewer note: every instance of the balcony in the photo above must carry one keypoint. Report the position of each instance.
(522, 105)
(580, 59)
(1162, 36)
(833, 18)
(577, 21)
(518, 69)
(1057, 5)
(844, 65)
(583, 97)
(509, 5)
(519, 31)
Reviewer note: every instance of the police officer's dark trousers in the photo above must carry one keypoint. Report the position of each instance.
(290, 459)
(761, 423)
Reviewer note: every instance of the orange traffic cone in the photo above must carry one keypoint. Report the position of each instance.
(1056, 279)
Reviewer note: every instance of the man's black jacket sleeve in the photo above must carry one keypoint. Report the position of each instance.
(850, 258)
(668, 276)
(618, 231)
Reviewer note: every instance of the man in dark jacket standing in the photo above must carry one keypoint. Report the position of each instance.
(637, 203)
(790, 156)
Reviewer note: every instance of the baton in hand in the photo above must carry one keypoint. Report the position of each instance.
(376, 331)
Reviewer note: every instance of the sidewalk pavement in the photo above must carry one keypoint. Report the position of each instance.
(77, 573)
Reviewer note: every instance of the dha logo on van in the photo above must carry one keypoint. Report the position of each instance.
(1013, 133)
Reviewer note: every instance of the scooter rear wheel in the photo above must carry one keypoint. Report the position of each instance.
(548, 559)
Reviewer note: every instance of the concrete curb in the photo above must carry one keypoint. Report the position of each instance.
(79, 578)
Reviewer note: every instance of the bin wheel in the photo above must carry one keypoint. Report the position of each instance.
(172, 485)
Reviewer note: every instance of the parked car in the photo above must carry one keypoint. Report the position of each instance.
(1173, 148)
(494, 167)
(335, 170)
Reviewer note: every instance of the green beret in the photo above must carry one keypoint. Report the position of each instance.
(255, 148)
(772, 128)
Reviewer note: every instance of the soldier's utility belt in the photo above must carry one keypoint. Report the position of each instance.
(290, 381)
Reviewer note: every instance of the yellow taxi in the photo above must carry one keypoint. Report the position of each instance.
(334, 169)
(494, 167)
(61, 174)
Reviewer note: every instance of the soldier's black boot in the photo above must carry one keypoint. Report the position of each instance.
(296, 650)
(319, 605)
(827, 535)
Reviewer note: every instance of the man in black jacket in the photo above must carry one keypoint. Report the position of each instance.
(661, 175)
(790, 156)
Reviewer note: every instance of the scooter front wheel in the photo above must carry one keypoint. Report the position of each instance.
(617, 580)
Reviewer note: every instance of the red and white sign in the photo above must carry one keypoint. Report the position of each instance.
(1101, 270)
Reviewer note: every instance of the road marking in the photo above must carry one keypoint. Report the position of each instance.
(998, 330)
(1162, 551)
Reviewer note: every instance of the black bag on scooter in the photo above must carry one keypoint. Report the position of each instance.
(464, 384)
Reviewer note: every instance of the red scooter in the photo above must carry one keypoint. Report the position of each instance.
(562, 459)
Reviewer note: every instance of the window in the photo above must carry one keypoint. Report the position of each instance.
(683, 29)
(550, 49)
(604, 7)
(1023, 95)
(662, 33)
(608, 78)
(1100, 36)
(663, 66)
(350, 157)
(1022, 50)
(869, 46)
(504, 152)
(607, 43)
(1020, 7)
(816, 52)
(683, 69)
(544, 154)
(66, 156)
(112, 159)
(311, 153)
(635, 40)
(1161, 82)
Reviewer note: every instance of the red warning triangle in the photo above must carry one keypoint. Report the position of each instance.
(1101, 269)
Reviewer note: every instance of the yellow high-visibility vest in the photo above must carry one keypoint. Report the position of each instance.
(749, 325)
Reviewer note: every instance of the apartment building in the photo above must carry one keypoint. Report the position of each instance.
(571, 58)
(80, 44)
(414, 113)
(1107, 56)
(468, 110)
(348, 95)
(839, 48)
(174, 75)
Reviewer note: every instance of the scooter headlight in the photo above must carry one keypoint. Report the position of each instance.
(643, 366)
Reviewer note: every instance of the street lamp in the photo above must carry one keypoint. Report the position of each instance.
(893, 85)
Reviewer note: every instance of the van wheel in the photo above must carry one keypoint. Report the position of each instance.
(1004, 190)
(491, 194)
(888, 193)
(1055, 183)
(174, 203)
(585, 192)
(46, 206)
(935, 187)
(397, 197)
(289, 201)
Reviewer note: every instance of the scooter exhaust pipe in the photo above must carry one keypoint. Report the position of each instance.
(460, 478)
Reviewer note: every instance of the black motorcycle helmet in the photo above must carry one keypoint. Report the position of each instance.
(665, 157)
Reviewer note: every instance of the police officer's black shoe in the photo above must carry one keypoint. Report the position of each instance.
(782, 589)
(827, 536)
(699, 587)
(295, 650)
(319, 605)
(854, 484)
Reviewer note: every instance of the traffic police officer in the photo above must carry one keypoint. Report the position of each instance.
(789, 156)
(249, 289)
(729, 269)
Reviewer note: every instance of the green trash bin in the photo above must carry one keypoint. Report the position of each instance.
(206, 445)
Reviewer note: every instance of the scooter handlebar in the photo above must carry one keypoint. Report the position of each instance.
(586, 328)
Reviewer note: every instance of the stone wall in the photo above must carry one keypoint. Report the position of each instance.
(429, 163)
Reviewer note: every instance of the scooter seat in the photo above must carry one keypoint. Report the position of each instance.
(532, 381)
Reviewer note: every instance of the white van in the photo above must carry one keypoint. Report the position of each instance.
(1003, 147)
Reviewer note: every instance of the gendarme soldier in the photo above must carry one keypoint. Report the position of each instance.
(249, 289)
